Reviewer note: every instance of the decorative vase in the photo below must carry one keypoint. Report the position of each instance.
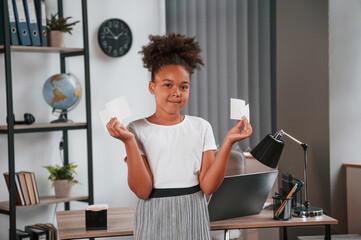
(62, 188)
(56, 39)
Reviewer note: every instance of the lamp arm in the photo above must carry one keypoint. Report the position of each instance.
(281, 132)
(278, 135)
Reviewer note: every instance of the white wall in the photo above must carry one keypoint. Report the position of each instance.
(345, 98)
(110, 78)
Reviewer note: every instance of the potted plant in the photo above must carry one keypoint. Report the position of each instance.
(58, 26)
(62, 178)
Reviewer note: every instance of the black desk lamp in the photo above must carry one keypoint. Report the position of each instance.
(268, 152)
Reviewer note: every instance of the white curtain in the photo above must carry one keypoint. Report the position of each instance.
(235, 39)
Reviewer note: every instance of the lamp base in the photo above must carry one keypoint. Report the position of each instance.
(307, 211)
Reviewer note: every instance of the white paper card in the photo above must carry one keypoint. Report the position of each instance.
(239, 109)
(104, 116)
(97, 207)
(118, 108)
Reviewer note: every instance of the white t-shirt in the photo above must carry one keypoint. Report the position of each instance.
(174, 153)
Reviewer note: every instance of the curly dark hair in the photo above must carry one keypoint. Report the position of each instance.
(171, 49)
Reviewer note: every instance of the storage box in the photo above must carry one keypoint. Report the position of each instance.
(96, 217)
(288, 182)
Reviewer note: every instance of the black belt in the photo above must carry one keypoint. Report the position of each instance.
(171, 192)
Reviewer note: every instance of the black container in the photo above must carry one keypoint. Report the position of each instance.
(279, 212)
(96, 220)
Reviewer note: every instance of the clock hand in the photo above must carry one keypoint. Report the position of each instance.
(120, 34)
(112, 33)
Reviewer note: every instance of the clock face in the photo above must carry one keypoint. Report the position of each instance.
(114, 37)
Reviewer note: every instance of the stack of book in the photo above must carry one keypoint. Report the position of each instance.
(38, 232)
(26, 189)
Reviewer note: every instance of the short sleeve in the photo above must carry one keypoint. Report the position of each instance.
(209, 142)
(131, 128)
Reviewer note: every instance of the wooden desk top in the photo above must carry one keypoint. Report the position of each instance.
(265, 219)
(354, 164)
(71, 224)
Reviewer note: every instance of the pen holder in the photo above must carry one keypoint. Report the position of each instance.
(282, 207)
(96, 217)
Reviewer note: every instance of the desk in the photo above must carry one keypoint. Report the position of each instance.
(71, 224)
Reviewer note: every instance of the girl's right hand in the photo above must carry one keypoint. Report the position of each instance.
(118, 131)
(235, 134)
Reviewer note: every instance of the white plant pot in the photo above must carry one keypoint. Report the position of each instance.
(62, 188)
(57, 39)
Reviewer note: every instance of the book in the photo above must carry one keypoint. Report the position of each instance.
(37, 233)
(19, 196)
(32, 20)
(29, 186)
(35, 186)
(24, 188)
(41, 14)
(45, 229)
(12, 21)
(1, 25)
(21, 23)
(51, 230)
(22, 235)
(54, 228)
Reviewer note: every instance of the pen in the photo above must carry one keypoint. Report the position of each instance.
(287, 197)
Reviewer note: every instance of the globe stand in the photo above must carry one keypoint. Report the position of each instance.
(62, 118)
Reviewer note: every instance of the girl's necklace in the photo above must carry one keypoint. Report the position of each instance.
(157, 121)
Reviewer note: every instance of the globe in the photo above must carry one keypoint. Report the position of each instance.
(62, 92)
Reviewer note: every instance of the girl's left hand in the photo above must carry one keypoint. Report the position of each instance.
(236, 134)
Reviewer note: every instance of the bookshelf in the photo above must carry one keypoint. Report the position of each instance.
(44, 200)
(10, 130)
(34, 49)
(44, 127)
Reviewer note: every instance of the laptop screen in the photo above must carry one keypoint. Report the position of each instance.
(241, 195)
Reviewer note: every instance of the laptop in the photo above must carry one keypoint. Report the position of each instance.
(241, 195)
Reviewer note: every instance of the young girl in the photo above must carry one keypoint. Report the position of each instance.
(170, 157)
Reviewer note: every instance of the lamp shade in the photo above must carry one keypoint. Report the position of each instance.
(268, 151)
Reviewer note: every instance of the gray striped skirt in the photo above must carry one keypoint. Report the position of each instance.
(172, 218)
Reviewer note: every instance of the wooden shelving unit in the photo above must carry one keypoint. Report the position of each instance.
(44, 127)
(9, 207)
(46, 200)
(33, 49)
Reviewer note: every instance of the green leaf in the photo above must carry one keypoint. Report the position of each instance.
(62, 172)
(56, 23)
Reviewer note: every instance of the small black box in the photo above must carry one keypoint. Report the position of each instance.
(96, 220)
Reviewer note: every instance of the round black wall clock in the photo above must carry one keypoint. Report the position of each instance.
(114, 37)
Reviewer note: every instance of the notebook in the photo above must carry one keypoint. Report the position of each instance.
(241, 195)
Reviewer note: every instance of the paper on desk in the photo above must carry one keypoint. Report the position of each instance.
(239, 109)
(97, 207)
(118, 108)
